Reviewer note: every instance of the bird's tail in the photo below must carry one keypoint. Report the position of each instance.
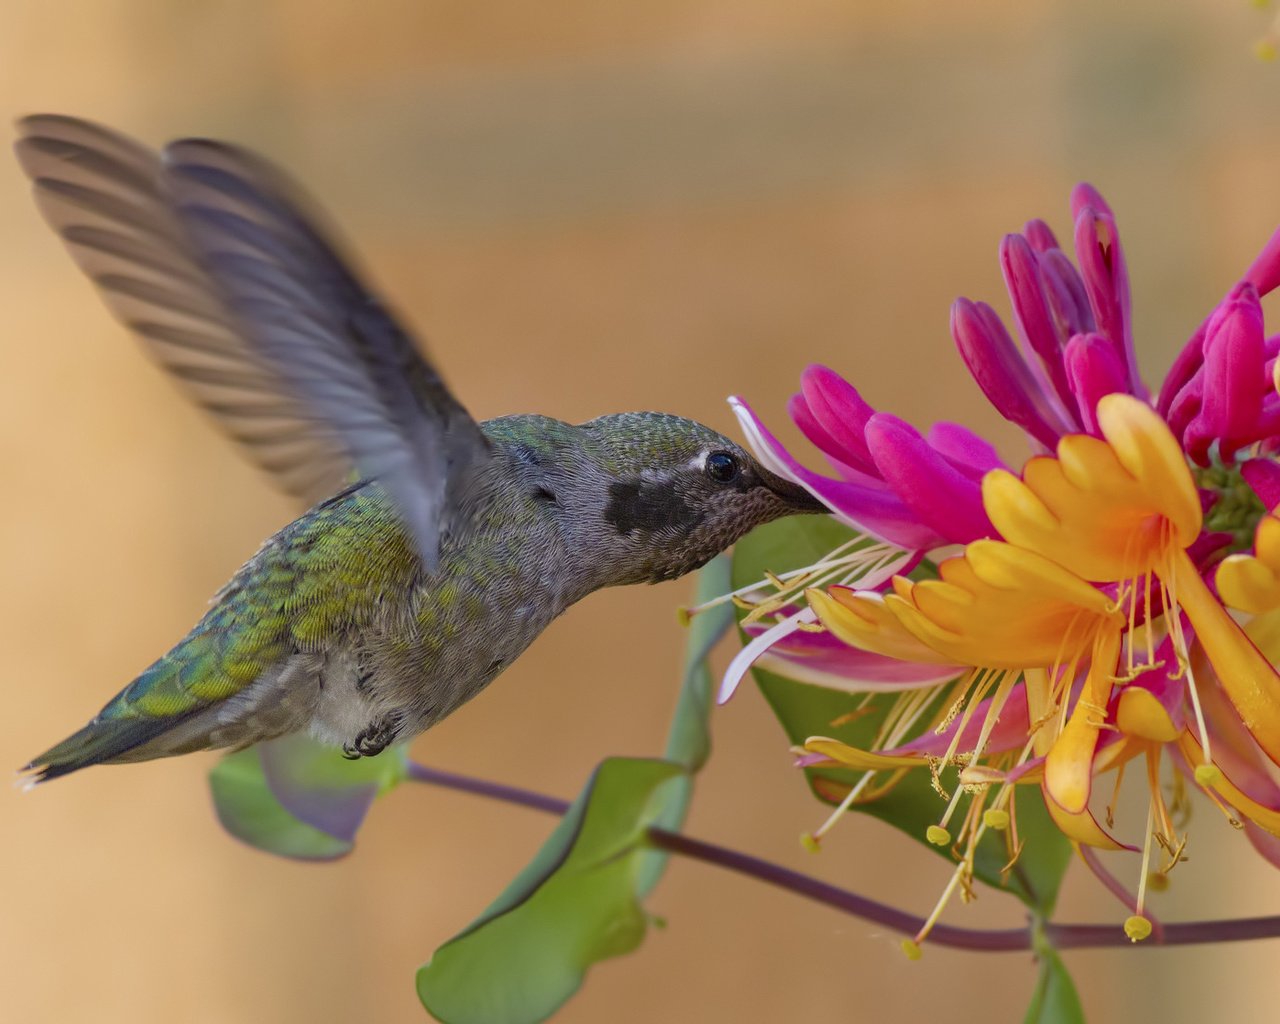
(102, 741)
(210, 691)
(158, 702)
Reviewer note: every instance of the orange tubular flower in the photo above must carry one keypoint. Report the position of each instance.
(1124, 511)
(1006, 611)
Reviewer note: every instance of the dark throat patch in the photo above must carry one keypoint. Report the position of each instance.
(638, 504)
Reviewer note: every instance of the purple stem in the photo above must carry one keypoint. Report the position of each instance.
(1060, 936)
(480, 787)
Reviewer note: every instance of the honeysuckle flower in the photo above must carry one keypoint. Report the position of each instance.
(824, 660)
(891, 483)
(1005, 611)
(1116, 598)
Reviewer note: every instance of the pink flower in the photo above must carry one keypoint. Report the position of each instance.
(1083, 619)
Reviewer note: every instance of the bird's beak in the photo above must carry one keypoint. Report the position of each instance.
(797, 499)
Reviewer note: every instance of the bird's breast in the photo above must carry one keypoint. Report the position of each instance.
(430, 650)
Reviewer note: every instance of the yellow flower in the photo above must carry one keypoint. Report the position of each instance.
(1093, 609)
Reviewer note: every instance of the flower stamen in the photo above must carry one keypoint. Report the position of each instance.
(854, 792)
(1115, 795)
(1138, 927)
(962, 876)
(871, 557)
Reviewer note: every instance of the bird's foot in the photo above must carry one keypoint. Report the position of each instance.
(374, 739)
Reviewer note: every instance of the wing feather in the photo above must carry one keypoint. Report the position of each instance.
(306, 309)
(106, 197)
(220, 266)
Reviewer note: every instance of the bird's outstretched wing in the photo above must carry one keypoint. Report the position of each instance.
(216, 262)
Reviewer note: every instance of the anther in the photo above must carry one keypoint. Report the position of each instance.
(1137, 928)
(1208, 774)
(1136, 671)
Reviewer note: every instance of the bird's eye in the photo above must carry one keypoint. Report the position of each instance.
(722, 467)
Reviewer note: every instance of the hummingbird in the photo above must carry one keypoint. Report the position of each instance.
(436, 547)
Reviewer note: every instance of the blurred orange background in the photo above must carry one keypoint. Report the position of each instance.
(584, 207)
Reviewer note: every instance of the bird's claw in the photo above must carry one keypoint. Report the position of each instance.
(374, 739)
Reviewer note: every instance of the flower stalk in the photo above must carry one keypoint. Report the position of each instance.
(1059, 936)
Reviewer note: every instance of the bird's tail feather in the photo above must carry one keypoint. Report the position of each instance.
(102, 740)
(182, 703)
(150, 706)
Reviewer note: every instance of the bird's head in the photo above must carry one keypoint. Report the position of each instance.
(672, 494)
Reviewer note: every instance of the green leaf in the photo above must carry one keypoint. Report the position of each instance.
(249, 811)
(689, 738)
(1054, 1000)
(574, 905)
(912, 805)
(579, 901)
(298, 798)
